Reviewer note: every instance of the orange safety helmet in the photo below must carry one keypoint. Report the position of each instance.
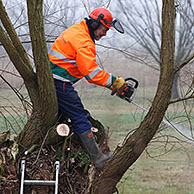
(102, 15)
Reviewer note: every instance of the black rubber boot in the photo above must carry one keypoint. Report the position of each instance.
(98, 158)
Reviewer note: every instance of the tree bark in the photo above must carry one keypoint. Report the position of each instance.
(135, 144)
(18, 55)
(40, 85)
(45, 111)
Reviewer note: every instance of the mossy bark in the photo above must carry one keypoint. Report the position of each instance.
(136, 143)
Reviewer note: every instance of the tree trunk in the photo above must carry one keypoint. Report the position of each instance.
(40, 85)
(135, 144)
(45, 108)
(35, 131)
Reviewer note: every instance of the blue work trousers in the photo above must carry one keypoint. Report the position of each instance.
(70, 106)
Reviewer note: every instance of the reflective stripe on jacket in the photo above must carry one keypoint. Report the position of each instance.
(73, 56)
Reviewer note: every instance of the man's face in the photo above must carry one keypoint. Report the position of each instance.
(100, 32)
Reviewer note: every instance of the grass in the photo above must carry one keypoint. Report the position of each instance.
(169, 174)
(162, 168)
(13, 123)
(12, 115)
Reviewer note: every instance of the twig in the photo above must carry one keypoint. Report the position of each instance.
(41, 146)
(184, 63)
(31, 149)
(64, 146)
(129, 55)
(11, 73)
(181, 99)
(91, 175)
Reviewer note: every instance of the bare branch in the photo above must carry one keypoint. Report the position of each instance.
(129, 55)
(184, 63)
(13, 36)
(181, 99)
(8, 72)
(18, 94)
(24, 69)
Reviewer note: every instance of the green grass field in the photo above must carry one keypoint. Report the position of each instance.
(165, 167)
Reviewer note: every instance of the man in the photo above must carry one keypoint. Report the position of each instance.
(73, 56)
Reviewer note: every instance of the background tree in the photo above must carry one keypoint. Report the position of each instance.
(142, 21)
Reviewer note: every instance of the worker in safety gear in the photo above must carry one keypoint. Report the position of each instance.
(72, 57)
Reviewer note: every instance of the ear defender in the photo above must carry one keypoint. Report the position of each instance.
(96, 23)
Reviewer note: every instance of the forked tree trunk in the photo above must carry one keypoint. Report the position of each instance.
(135, 144)
(45, 106)
(36, 130)
(39, 84)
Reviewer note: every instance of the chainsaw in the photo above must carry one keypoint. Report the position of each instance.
(128, 91)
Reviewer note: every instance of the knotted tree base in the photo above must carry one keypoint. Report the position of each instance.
(76, 173)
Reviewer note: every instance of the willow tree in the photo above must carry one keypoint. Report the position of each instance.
(136, 143)
(40, 86)
(39, 83)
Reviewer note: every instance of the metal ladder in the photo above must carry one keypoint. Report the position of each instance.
(38, 182)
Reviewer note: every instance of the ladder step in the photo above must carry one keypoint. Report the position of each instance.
(39, 182)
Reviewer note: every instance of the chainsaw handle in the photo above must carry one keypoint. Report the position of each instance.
(134, 80)
(113, 92)
(126, 79)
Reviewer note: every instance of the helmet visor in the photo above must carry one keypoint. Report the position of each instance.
(117, 26)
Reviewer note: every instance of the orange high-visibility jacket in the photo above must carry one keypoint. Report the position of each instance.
(73, 56)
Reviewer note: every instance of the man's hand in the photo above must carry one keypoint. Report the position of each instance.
(119, 83)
